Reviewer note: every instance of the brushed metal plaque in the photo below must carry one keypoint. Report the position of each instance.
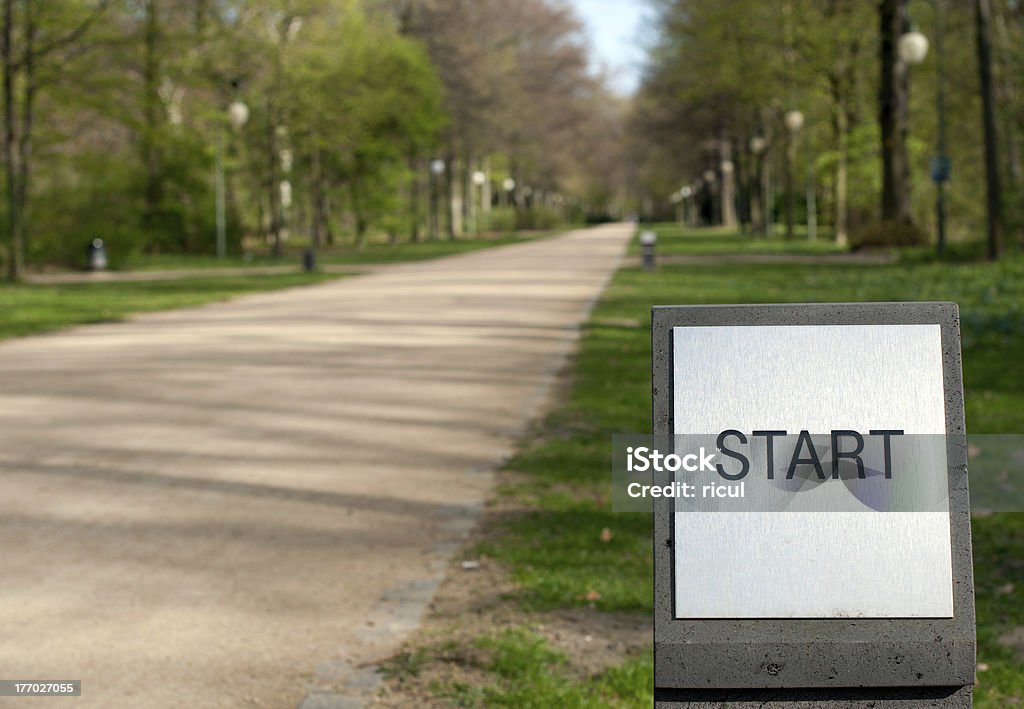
(818, 378)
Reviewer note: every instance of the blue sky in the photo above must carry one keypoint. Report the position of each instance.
(614, 30)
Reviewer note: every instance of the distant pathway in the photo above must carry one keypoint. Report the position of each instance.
(238, 504)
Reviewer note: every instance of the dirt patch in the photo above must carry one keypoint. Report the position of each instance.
(1014, 639)
(481, 601)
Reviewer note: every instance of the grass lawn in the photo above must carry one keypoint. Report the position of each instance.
(555, 550)
(29, 309)
(676, 241)
(372, 252)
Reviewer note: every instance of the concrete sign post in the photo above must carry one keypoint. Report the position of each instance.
(843, 576)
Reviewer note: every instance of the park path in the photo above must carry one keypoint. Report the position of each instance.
(238, 504)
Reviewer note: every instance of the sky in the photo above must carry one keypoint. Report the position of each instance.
(614, 30)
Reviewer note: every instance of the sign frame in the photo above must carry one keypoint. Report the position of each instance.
(716, 659)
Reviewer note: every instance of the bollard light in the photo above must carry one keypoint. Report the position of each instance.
(97, 255)
(648, 241)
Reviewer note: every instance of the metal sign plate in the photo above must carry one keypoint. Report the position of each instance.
(764, 564)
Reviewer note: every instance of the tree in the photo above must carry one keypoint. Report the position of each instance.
(894, 104)
(983, 12)
(47, 32)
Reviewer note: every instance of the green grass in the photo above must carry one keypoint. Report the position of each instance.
(555, 551)
(30, 309)
(674, 240)
(372, 252)
(529, 674)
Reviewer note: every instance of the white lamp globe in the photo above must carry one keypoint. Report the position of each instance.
(238, 113)
(794, 121)
(912, 48)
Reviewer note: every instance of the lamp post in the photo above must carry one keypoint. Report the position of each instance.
(238, 115)
(677, 199)
(794, 121)
(911, 50)
(686, 192)
(758, 146)
(508, 185)
(711, 180)
(940, 163)
(436, 170)
(479, 180)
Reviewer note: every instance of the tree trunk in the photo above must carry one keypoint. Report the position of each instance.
(994, 202)
(14, 235)
(757, 206)
(357, 212)
(151, 156)
(449, 196)
(27, 121)
(485, 197)
(318, 196)
(728, 169)
(466, 188)
(893, 113)
(790, 187)
(842, 135)
(414, 198)
(272, 187)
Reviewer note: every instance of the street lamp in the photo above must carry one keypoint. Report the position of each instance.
(508, 185)
(686, 193)
(940, 163)
(238, 116)
(912, 47)
(759, 146)
(479, 180)
(437, 168)
(794, 121)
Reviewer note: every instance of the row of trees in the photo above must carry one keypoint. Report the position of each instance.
(325, 116)
(728, 82)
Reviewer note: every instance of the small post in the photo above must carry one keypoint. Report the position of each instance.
(97, 255)
(648, 241)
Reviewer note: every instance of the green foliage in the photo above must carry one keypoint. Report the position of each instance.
(535, 218)
(360, 99)
(98, 198)
(729, 71)
(888, 233)
(502, 219)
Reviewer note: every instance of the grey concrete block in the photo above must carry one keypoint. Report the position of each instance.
(721, 662)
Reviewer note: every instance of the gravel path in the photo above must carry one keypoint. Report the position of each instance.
(240, 504)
